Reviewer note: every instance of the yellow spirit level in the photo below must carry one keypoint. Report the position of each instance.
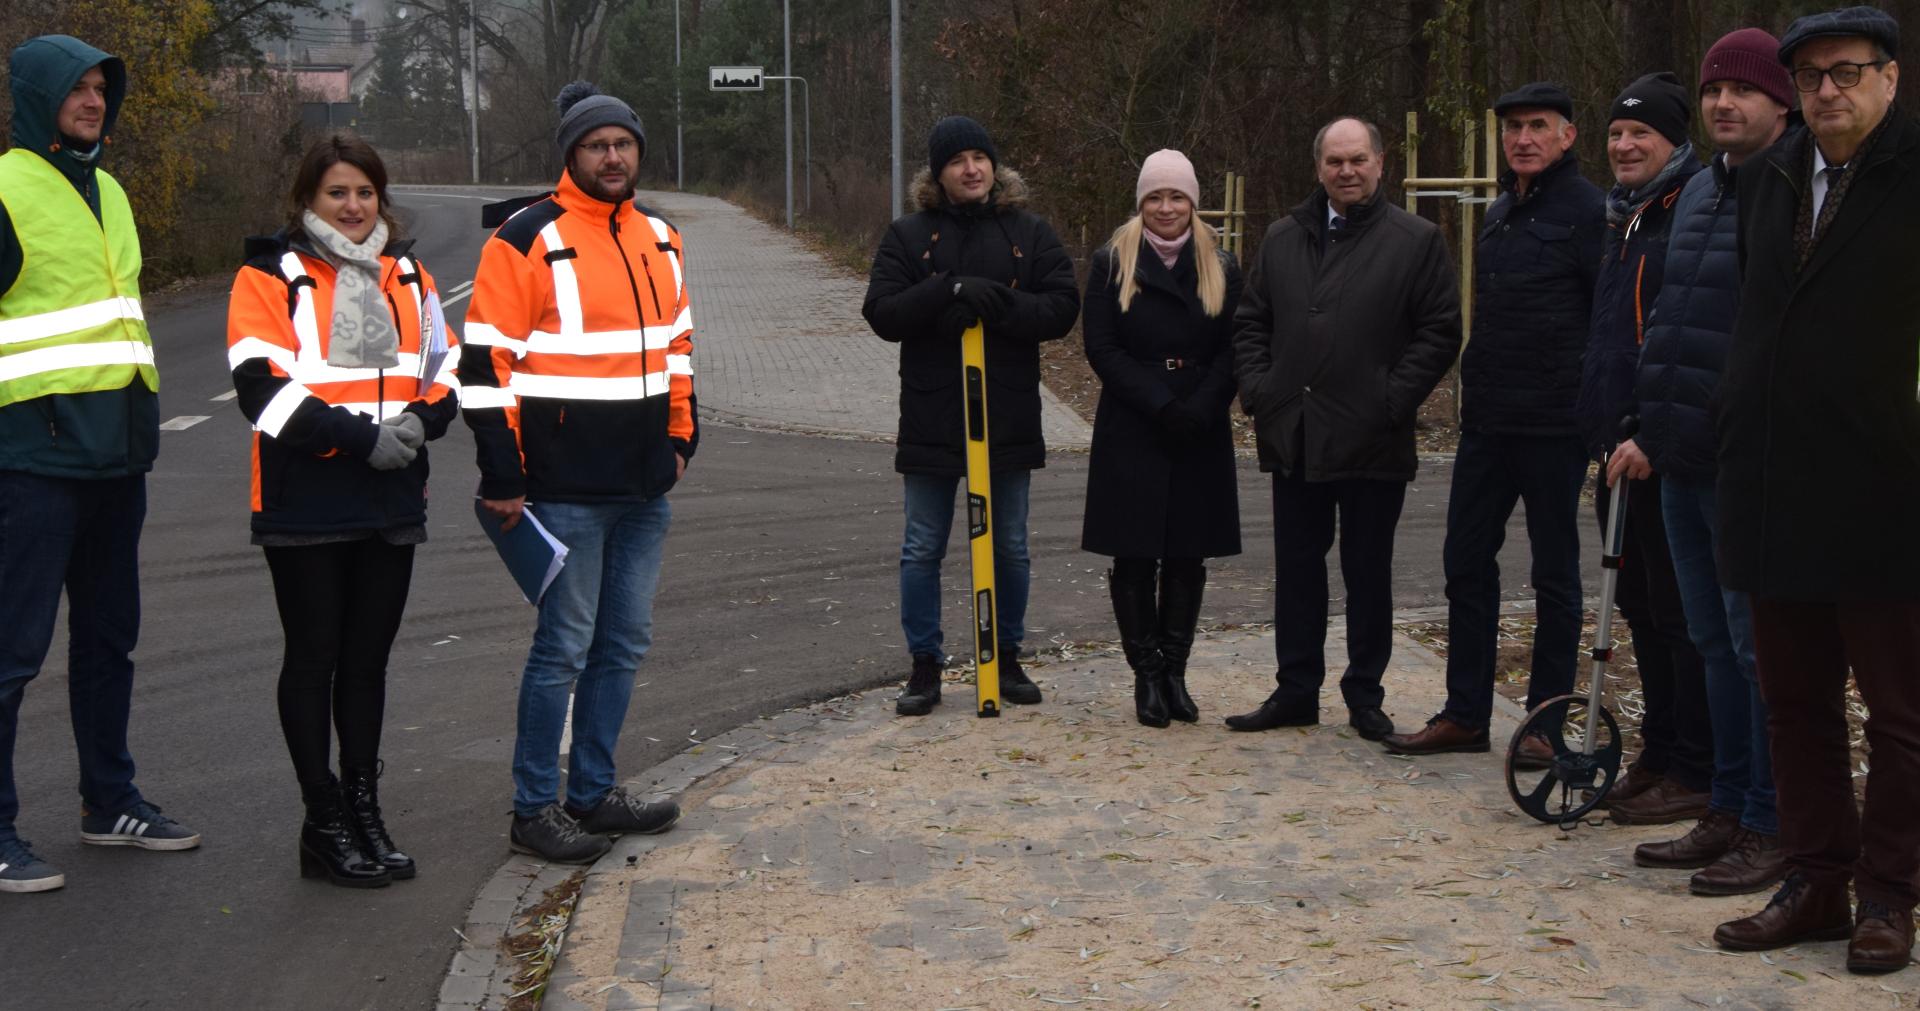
(986, 641)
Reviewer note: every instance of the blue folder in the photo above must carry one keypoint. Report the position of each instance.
(533, 555)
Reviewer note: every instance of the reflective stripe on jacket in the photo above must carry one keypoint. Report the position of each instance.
(579, 353)
(72, 321)
(315, 423)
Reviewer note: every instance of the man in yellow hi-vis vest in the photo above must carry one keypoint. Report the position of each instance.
(79, 428)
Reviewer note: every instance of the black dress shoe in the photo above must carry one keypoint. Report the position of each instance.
(1274, 713)
(1370, 722)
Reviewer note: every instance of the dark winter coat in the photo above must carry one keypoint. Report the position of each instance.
(1150, 493)
(1818, 424)
(1687, 335)
(105, 434)
(1633, 267)
(908, 298)
(1535, 265)
(1344, 339)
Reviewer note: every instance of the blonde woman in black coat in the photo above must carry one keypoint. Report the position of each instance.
(1161, 496)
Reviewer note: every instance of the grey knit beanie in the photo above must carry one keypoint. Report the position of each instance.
(584, 109)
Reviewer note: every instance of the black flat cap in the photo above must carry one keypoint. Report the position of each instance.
(1870, 23)
(1538, 95)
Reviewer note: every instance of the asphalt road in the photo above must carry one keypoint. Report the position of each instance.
(779, 588)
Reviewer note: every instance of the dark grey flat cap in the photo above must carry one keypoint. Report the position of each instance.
(1538, 95)
(1870, 23)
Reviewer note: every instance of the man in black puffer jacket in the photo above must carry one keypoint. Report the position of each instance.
(1652, 162)
(1745, 95)
(970, 253)
(1535, 266)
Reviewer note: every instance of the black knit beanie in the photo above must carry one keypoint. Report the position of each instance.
(953, 135)
(1660, 101)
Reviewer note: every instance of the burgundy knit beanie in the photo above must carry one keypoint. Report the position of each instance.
(1748, 56)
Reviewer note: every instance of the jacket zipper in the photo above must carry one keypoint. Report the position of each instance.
(640, 314)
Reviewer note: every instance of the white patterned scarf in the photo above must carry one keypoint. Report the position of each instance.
(363, 335)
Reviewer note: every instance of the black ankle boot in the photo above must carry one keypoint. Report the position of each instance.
(328, 847)
(1179, 615)
(360, 789)
(1133, 610)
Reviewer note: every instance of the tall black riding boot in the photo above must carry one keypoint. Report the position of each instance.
(329, 847)
(1180, 590)
(361, 790)
(1133, 609)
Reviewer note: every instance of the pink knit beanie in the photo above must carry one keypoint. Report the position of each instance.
(1167, 169)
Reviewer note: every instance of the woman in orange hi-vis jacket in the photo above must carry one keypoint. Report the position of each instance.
(339, 356)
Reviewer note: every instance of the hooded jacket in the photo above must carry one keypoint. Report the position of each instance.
(111, 433)
(910, 291)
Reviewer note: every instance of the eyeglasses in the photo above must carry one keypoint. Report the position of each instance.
(625, 145)
(1845, 75)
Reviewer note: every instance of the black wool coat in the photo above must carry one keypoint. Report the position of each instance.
(1818, 426)
(1344, 338)
(910, 292)
(1151, 494)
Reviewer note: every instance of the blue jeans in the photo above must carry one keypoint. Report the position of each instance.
(1720, 622)
(1492, 474)
(596, 622)
(83, 535)
(929, 522)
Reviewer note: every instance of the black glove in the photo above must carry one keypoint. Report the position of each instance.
(1182, 420)
(990, 300)
(955, 319)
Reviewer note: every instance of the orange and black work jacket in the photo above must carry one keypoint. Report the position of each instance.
(577, 366)
(314, 424)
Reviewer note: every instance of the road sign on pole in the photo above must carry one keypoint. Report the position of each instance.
(734, 79)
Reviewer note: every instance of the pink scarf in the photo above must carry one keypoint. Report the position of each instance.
(1169, 249)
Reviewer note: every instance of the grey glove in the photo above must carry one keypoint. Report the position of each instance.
(407, 423)
(390, 449)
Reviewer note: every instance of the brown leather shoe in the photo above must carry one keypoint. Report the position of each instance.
(1440, 735)
(1632, 783)
(1882, 939)
(1800, 911)
(1751, 864)
(1534, 753)
(1708, 840)
(1663, 803)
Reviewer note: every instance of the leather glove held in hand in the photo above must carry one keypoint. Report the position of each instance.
(990, 299)
(390, 451)
(407, 423)
(1182, 419)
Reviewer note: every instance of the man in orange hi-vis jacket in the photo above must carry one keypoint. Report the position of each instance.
(579, 345)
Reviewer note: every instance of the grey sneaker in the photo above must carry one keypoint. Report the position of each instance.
(554, 836)
(141, 825)
(621, 813)
(21, 871)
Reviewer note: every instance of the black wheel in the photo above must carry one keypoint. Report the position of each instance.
(1574, 782)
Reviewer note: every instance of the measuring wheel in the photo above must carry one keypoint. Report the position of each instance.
(1586, 760)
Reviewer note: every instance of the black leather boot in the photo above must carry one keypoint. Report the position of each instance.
(328, 847)
(1179, 615)
(360, 788)
(1134, 611)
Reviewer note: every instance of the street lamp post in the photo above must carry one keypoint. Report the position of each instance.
(786, 30)
(679, 138)
(895, 74)
(806, 113)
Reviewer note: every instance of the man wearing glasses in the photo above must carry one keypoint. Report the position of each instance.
(1819, 455)
(577, 377)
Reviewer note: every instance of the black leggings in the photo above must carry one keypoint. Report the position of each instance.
(1142, 569)
(340, 607)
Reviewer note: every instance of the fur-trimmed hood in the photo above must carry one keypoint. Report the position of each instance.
(1009, 190)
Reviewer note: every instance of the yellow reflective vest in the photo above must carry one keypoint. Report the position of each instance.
(72, 322)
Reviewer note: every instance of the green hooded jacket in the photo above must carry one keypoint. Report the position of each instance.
(88, 435)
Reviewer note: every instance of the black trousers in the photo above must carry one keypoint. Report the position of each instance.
(1304, 521)
(340, 607)
(1676, 732)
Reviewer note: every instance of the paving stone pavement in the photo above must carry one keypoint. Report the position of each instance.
(779, 340)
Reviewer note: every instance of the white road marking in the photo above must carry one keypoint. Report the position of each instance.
(456, 295)
(224, 397)
(183, 422)
(490, 197)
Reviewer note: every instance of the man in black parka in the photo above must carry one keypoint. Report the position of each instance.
(1350, 317)
(972, 252)
(1535, 264)
(1819, 455)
